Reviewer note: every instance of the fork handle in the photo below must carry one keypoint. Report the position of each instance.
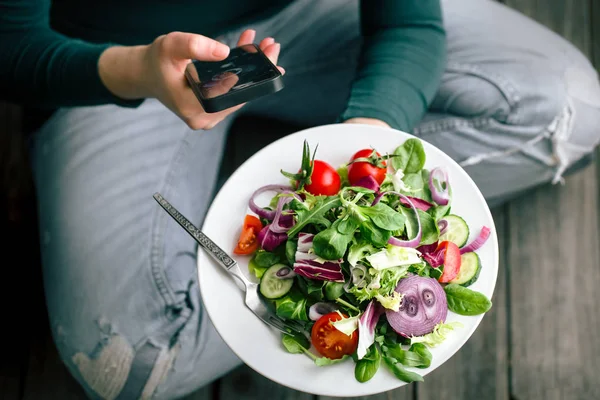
(221, 257)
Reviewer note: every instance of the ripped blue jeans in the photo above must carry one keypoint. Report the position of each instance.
(517, 106)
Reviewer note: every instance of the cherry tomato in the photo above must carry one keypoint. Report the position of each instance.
(451, 261)
(248, 241)
(361, 169)
(329, 341)
(324, 180)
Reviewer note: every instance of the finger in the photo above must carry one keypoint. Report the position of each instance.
(266, 42)
(272, 51)
(247, 37)
(281, 69)
(191, 46)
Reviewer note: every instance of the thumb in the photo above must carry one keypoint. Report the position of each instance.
(187, 46)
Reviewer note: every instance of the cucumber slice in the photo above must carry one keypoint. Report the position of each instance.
(273, 287)
(457, 231)
(470, 267)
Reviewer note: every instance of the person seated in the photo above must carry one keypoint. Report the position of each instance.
(515, 104)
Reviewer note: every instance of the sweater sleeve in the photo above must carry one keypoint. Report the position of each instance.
(402, 61)
(42, 68)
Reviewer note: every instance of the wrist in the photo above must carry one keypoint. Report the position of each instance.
(121, 70)
(367, 121)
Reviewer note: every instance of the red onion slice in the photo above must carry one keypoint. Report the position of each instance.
(261, 212)
(478, 242)
(414, 242)
(368, 182)
(419, 203)
(317, 310)
(269, 240)
(440, 191)
(277, 226)
(423, 306)
(285, 273)
(442, 226)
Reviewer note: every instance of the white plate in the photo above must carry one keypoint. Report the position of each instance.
(258, 345)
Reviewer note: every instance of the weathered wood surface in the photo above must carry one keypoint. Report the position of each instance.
(479, 370)
(554, 261)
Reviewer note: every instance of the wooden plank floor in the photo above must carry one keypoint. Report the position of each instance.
(538, 342)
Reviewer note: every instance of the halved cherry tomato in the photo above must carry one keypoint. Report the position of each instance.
(451, 261)
(324, 180)
(361, 169)
(329, 341)
(248, 241)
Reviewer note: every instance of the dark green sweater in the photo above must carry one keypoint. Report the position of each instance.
(49, 50)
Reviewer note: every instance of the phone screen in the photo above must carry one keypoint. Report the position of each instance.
(244, 66)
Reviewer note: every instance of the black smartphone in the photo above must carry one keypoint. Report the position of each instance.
(246, 74)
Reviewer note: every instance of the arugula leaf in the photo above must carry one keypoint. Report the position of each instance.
(265, 259)
(411, 156)
(465, 301)
(295, 344)
(330, 244)
(324, 361)
(292, 306)
(315, 214)
(333, 290)
(366, 368)
(401, 373)
(290, 251)
(384, 217)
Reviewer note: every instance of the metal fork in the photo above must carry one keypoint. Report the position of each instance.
(253, 301)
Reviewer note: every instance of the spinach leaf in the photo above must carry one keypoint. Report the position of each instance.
(315, 214)
(439, 212)
(418, 184)
(292, 306)
(465, 301)
(323, 361)
(265, 259)
(431, 232)
(311, 288)
(401, 373)
(384, 217)
(423, 352)
(333, 290)
(347, 226)
(411, 156)
(373, 234)
(417, 356)
(295, 344)
(366, 368)
(290, 251)
(330, 244)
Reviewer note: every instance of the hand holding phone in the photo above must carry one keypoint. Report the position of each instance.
(245, 75)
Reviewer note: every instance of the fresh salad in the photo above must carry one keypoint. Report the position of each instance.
(368, 257)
